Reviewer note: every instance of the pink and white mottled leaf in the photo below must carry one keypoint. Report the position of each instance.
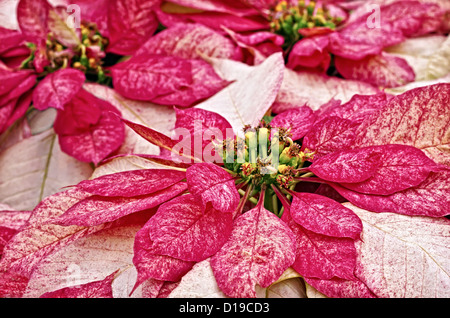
(32, 17)
(148, 76)
(401, 256)
(419, 117)
(184, 229)
(321, 256)
(41, 238)
(325, 216)
(96, 289)
(96, 210)
(310, 52)
(378, 170)
(298, 120)
(12, 285)
(132, 183)
(213, 184)
(89, 128)
(340, 288)
(261, 247)
(329, 135)
(189, 41)
(383, 70)
(58, 88)
(153, 265)
(430, 198)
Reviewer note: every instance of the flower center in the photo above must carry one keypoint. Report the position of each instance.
(266, 156)
(288, 20)
(86, 56)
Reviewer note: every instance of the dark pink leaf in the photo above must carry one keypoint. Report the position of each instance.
(356, 109)
(400, 167)
(325, 216)
(261, 247)
(148, 76)
(58, 88)
(130, 23)
(419, 117)
(329, 135)
(89, 128)
(321, 256)
(10, 79)
(12, 285)
(32, 16)
(184, 229)
(380, 170)
(198, 121)
(352, 165)
(298, 120)
(189, 41)
(430, 198)
(96, 210)
(357, 40)
(96, 289)
(383, 70)
(310, 52)
(152, 265)
(213, 184)
(132, 183)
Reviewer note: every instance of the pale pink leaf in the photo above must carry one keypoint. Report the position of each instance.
(384, 70)
(297, 87)
(250, 96)
(402, 256)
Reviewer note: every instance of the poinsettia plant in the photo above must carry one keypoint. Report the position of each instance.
(241, 198)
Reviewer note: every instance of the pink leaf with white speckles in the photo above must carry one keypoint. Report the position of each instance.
(298, 120)
(189, 41)
(130, 23)
(58, 88)
(96, 289)
(96, 210)
(329, 135)
(261, 247)
(324, 216)
(132, 183)
(321, 256)
(419, 117)
(32, 16)
(430, 198)
(341, 288)
(383, 70)
(184, 229)
(89, 128)
(213, 184)
(150, 264)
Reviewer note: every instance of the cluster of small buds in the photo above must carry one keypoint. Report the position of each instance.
(266, 155)
(287, 19)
